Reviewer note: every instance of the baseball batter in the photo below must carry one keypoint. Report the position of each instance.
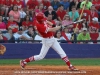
(48, 41)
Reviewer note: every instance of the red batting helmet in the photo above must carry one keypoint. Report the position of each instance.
(40, 17)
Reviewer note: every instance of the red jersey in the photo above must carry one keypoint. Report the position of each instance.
(93, 14)
(2, 2)
(86, 14)
(9, 3)
(53, 22)
(20, 4)
(24, 23)
(61, 14)
(93, 26)
(43, 30)
(46, 4)
(32, 4)
(97, 4)
(79, 26)
(12, 24)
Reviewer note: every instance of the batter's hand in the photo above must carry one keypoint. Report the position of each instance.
(58, 27)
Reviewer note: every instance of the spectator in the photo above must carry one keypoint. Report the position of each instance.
(37, 38)
(85, 24)
(67, 36)
(2, 38)
(15, 13)
(61, 13)
(66, 4)
(12, 25)
(31, 6)
(40, 9)
(46, 4)
(96, 3)
(88, 4)
(86, 14)
(27, 22)
(49, 18)
(30, 34)
(2, 25)
(94, 26)
(8, 6)
(2, 7)
(74, 15)
(39, 1)
(55, 4)
(51, 11)
(74, 35)
(94, 29)
(20, 36)
(22, 15)
(9, 36)
(79, 4)
(58, 35)
(84, 35)
(78, 25)
(74, 3)
(30, 14)
(66, 21)
(26, 1)
(93, 13)
(19, 3)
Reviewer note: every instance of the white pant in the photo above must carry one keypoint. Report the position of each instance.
(47, 43)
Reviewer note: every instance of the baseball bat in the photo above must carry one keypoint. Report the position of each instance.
(81, 15)
(74, 23)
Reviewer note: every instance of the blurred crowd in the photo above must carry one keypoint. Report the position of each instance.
(17, 20)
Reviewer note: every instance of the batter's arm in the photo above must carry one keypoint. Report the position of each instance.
(50, 23)
(54, 29)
